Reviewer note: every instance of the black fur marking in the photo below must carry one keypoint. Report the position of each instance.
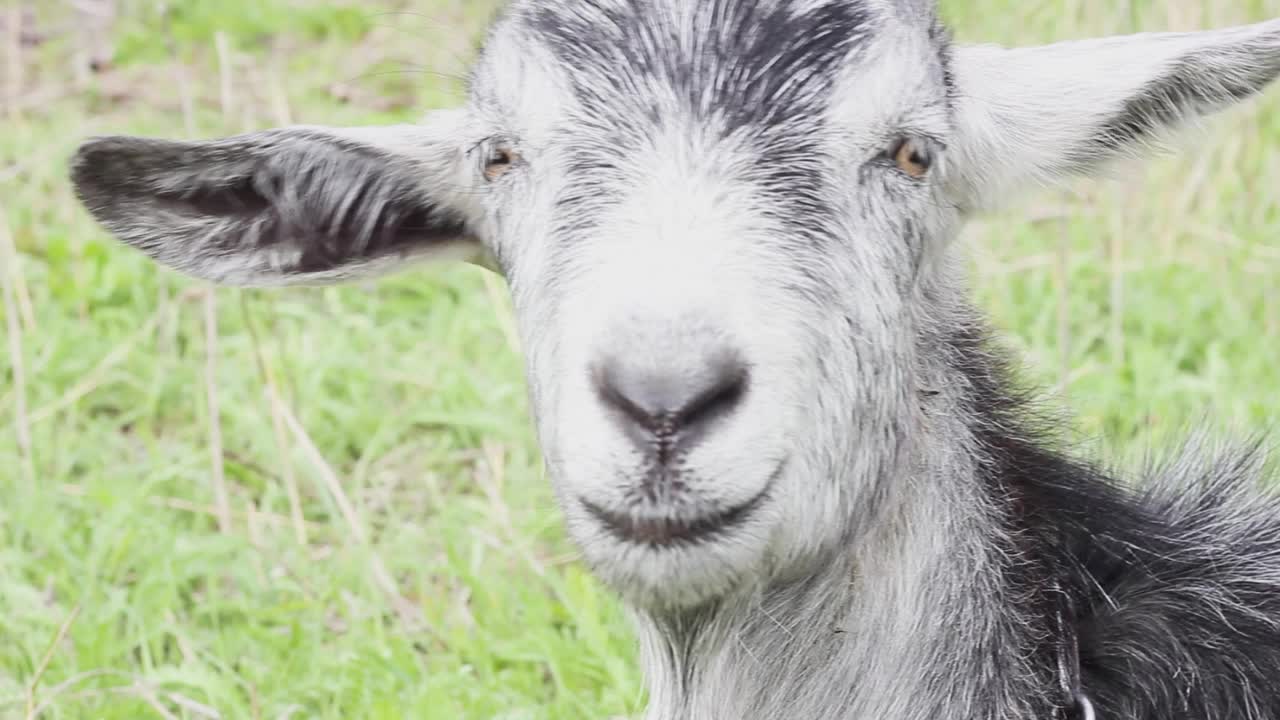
(1174, 617)
(327, 202)
(760, 64)
(940, 35)
(1194, 84)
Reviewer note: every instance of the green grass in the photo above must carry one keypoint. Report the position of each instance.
(1149, 303)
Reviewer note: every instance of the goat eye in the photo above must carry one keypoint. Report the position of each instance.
(500, 160)
(913, 157)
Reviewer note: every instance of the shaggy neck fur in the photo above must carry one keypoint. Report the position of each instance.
(948, 607)
(913, 621)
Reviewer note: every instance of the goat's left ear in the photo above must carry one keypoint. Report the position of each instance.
(1034, 115)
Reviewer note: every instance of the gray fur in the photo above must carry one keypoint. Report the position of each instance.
(679, 178)
(300, 205)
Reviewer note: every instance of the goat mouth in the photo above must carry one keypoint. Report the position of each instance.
(668, 531)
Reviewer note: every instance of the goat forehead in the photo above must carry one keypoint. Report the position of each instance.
(758, 63)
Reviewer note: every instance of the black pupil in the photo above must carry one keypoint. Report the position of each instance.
(501, 157)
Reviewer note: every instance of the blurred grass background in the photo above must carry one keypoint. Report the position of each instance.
(328, 503)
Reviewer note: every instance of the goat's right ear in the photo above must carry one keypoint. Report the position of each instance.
(299, 205)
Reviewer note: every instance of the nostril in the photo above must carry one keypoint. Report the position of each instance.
(718, 399)
(674, 403)
(613, 391)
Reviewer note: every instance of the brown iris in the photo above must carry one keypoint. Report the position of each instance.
(913, 158)
(500, 161)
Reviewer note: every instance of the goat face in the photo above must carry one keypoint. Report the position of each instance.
(715, 219)
(718, 221)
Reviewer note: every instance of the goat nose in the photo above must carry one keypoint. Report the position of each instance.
(662, 405)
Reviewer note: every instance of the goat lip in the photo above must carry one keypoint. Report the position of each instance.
(666, 531)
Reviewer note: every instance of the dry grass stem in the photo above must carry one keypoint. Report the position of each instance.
(21, 420)
(222, 498)
(34, 686)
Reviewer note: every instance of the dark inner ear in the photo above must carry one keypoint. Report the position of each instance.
(236, 199)
(286, 203)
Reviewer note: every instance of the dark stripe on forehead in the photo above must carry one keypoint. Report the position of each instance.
(755, 63)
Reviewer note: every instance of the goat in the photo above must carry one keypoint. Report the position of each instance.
(775, 424)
